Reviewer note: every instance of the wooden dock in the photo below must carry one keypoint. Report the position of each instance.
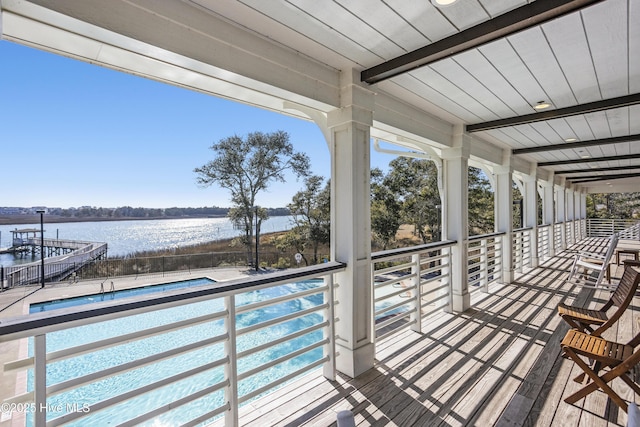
(62, 259)
(497, 364)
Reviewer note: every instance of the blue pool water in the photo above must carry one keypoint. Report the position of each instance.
(118, 294)
(113, 385)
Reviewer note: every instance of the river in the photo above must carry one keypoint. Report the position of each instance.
(125, 237)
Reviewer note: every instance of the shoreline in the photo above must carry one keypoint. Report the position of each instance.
(56, 219)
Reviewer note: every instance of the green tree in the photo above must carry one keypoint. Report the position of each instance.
(246, 167)
(311, 211)
(414, 182)
(613, 205)
(481, 206)
(385, 210)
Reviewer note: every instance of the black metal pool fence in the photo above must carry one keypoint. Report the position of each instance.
(161, 265)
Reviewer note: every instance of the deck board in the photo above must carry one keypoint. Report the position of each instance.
(497, 364)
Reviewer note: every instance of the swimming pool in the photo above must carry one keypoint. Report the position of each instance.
(110, 386)
(118, 294)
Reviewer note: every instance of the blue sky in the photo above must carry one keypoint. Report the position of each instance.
(76, 134)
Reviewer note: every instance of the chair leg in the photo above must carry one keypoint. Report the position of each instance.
(598, 382)
(583, 378)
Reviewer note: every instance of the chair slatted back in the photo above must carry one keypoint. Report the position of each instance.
(613, 242)
(626, 288)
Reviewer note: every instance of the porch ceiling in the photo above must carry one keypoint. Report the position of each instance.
(588, 56)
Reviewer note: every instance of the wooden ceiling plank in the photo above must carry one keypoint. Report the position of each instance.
(567, 39)
(385, 20)
(274, 27)
(618, 120)
(469, 85)
(316, 30)
(430, 77)
(465, 14)
(563, 129)
(425, 17)
(634, 117)
(547, 133)
(432, 97)
(350, 26)
(510, 134)
(496, 8)
(580, 127)
(606, 28)
(599, 124)
(508, 63)
(535, 52)
(633, 50)
(473, 61)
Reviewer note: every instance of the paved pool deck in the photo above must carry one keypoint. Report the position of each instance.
(16, 301)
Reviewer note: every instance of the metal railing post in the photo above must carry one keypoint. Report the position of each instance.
(484, 266)
(40, 380)
(416, 316)
(329, 368)
(231, 367)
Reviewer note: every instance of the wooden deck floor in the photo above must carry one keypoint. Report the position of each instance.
(496, 364)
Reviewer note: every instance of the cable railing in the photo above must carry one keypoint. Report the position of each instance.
(409, 284)
(219, 346)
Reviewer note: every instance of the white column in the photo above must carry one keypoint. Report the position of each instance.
(548, 217)
(561, 214)
(503, 201)
(530, 215)
(571, 215)
(455, 211)
(583, 212)
(349, 129)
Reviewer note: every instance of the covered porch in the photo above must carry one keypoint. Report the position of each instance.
(496, 364)
(462, 86)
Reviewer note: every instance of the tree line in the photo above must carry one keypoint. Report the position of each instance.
(138, 212)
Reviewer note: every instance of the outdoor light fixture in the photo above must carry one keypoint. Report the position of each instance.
(443, 3)
(542, 105)
(571, 140)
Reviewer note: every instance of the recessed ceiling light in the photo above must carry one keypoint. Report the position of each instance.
(585, 156)
(571, 139)
(443, 3)
(541, 105)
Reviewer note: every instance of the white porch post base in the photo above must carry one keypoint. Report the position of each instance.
(353, 362)
(460, 302)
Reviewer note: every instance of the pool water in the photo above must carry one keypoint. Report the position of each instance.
(118, 294)
(111, 386)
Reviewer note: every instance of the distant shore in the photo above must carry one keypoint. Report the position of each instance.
(35, 219)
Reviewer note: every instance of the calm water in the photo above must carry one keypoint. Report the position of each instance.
(125, 237)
